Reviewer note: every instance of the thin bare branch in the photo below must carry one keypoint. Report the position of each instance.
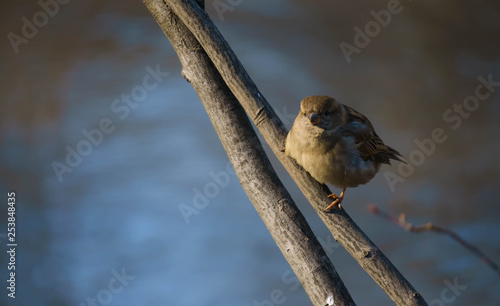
(429, 227)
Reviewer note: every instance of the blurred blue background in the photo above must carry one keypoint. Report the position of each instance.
(110, 227)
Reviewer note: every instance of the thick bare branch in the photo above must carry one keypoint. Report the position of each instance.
(344, 230)
(261, 183)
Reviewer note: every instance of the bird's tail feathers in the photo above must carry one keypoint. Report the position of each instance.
(393, 154)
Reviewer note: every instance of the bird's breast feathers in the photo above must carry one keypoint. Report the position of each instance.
(340, 165)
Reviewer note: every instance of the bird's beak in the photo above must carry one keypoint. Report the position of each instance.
(314, 118)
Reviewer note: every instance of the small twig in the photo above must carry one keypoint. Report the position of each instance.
(401, 221)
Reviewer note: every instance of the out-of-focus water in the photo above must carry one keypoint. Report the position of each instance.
(110, 226)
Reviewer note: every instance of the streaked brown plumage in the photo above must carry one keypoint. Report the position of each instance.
(336, 144)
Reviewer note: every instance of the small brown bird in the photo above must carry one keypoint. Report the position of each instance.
(336, 145)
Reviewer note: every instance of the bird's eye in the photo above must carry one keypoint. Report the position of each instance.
(327, 113)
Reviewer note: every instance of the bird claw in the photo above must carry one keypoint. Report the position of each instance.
(336, 203)
(337, 200)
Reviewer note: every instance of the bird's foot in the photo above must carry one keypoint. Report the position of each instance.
(336, 203)
(333, 196)
(337, 200)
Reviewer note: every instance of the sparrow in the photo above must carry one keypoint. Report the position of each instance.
(336, 145)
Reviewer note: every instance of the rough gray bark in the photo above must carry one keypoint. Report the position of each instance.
(261, 183)
(343, 229)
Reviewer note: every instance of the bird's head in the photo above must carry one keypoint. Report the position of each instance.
(322, 111)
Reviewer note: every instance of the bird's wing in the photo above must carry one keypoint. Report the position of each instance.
(368, 143)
